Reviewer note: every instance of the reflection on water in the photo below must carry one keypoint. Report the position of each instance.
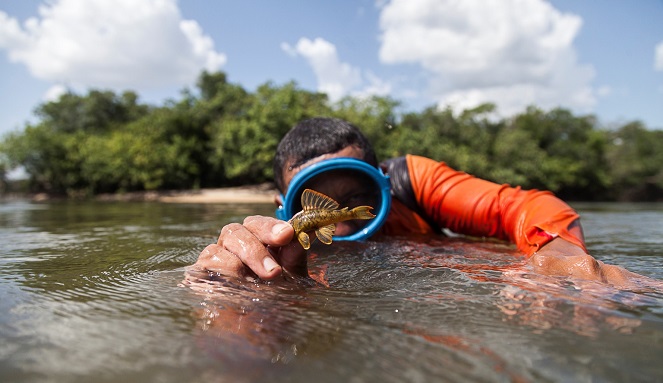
(98, 292)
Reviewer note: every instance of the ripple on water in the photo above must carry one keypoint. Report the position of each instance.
(113, 293)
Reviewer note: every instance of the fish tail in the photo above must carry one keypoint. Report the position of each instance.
(363, 212)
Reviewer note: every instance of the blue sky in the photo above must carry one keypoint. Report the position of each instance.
(597, 57)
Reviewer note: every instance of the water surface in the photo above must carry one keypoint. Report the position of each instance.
(98, 292)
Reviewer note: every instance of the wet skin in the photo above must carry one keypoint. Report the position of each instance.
(264, 246)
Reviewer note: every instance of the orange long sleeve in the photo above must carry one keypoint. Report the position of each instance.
(467, 205)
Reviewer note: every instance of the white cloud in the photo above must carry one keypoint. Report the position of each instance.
(336, 78)
(658, 56)
(53, 93)
(375, 86)
(513, 53)
(117, 44)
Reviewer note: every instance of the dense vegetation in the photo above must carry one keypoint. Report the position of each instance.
(223, 135)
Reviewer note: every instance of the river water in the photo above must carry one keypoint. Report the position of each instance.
(98, 292)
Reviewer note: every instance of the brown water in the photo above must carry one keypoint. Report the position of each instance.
(97, 292)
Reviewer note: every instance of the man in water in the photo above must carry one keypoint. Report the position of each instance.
(417, 195)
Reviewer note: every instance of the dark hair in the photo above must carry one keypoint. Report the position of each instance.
(314, 137)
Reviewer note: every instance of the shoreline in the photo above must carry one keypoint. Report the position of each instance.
(261, 193)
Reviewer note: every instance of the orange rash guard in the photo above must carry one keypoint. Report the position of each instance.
(429, 195)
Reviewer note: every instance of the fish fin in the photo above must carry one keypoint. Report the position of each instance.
(325, 233)
(304, 240)
(363, 212)
(312, 199)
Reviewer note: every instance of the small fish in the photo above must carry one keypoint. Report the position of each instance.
(321, 214)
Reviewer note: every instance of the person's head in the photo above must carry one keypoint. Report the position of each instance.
(333, 157)
(316, 137)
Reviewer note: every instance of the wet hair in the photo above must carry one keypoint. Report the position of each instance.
(314, 137)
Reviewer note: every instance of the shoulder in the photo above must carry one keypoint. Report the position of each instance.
(399, 175)
(398, 165)
(402, 189)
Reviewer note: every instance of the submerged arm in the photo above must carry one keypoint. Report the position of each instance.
(541, 225)
(562, 258)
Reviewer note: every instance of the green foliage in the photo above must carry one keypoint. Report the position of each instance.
(243, 144)
(48, 156)
(555, 151)
(4, 183)
(375, 116)
(220, 134)
(464, 141)
(97, 112)
(635, 158)
(150, 153)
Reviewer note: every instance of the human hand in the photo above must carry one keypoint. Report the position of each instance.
(562, 258)
(260, 246)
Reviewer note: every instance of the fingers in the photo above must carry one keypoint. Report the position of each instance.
(269, 230)
(216, 258)
(254, 246)
(249, 249)
(586, 267)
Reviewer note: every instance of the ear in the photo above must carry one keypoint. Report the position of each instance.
(278, 200)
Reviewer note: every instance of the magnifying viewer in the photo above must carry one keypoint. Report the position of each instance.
(356, 183)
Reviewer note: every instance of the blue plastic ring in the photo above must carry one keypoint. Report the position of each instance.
(291, 199)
